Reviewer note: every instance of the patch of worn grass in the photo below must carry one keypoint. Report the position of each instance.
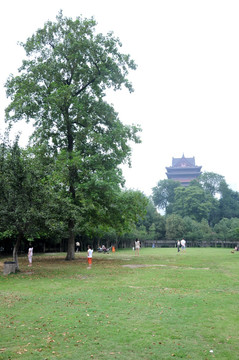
(160, 305)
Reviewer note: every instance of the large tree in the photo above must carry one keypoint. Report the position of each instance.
(61, 88)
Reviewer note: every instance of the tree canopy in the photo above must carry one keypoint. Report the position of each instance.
(164, 193)
(192, 201)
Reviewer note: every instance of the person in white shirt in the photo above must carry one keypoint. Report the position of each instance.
(30, 255)
(183, 244)
(77, 246)
(89, 256)
(137, 246)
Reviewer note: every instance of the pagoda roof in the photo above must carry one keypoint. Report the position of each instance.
(183, 162)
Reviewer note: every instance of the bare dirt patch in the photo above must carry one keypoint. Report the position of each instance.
(134, 266)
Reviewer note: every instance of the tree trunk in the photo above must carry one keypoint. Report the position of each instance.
(72, 176)
(15, 252)
(71, 242)
(116, 241)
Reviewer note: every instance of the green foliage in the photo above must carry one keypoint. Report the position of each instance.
(210, 182)
(175, 227)
(227, 229)
(207, 231)
(192, 201)
(229, 202)
(153, 222)
(164, 194)
(118, 216)
(192, 229)
(198, 232)
(23, 195)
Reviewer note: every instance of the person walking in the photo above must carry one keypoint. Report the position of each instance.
(183, 245)
(89, 256)
(30, 255)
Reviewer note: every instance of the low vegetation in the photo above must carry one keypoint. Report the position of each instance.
(159, 305)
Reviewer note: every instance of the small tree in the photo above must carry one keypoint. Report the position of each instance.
(22, 196)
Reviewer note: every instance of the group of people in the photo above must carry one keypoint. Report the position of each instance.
(181, 244)
(89, 256)
(103, 249)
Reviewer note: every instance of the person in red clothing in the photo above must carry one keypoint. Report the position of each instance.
(89, 256)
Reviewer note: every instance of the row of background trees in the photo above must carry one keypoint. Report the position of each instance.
(33, 209)
(67, 184)
(204, 212)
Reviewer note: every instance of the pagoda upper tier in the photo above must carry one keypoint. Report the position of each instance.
(183, 170)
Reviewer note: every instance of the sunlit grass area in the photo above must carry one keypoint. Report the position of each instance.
(159, 305)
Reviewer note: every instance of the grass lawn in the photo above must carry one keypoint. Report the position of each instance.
(159, 305)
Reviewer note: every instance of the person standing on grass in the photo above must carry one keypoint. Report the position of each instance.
(137, 246)
(77, 246)
(30, 255)
(183, 244)
(89, 256)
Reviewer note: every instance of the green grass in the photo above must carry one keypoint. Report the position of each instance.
(160, 305)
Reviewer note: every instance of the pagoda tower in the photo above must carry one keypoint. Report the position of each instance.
(183, 170)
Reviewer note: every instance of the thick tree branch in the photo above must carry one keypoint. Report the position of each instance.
(89, 82)
(85, 86)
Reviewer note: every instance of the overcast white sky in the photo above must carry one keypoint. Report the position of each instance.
(186, 85)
